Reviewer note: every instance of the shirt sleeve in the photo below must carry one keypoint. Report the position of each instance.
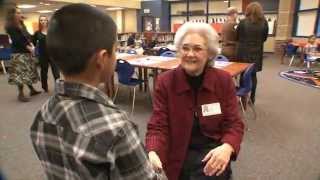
(239, 30)
(158, 126)
(265, 30)
(35, 38)
(130, 156)
(17, 37)
(232, 125)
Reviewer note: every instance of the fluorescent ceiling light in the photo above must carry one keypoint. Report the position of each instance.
(225, 1)
(26, 6)
(44, 11)
(113, 8)
(47, 4)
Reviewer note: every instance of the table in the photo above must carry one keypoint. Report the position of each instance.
(156, 63)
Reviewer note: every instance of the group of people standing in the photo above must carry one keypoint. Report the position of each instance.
(243, 41)
(25, 49)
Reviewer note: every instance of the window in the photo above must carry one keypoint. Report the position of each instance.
(306, 22)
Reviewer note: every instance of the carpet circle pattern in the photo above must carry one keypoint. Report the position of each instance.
(302, 76)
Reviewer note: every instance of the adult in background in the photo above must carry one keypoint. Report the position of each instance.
(39, 38)
(131, 40)
(252, 32)
(195, 128)
(23, 69)
(229, 35)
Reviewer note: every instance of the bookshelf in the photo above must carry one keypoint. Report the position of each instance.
(212, 12)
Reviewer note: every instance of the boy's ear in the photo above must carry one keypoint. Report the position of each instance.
(100, 56)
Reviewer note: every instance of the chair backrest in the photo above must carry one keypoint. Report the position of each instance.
(162, 50)
(291, 49)
(168, 54)
(5, 54)
(125, 71)
(246, 82)
(221, 58)
(132, 51)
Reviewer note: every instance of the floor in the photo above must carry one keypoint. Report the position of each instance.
(283, 143)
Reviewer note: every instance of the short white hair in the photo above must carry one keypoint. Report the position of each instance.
(204, 30)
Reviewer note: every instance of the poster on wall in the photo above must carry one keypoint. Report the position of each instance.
(148, 23)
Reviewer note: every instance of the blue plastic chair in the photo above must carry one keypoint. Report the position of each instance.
(132, 51)
(162, 50)
(243, 91)
(168, 54)
(5, 55)
(221, 58)
(125, 72)
(291, 50)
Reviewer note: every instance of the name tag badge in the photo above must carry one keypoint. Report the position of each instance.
(211, 109)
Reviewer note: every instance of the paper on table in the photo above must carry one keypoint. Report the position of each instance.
(150, 60)
(123, 55)
(221, 64)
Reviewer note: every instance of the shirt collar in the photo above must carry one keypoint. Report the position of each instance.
(208, 82)
(75, 89)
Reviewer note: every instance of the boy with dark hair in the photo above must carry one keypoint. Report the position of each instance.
(79, 133)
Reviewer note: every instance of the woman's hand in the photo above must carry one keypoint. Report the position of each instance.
(217, 160)
(155, 161)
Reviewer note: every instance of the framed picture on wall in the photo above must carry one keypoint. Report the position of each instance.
(148, 23)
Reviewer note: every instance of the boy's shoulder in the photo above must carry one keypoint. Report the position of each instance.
(82, 116)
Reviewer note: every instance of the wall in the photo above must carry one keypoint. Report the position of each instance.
(116, 3)
(158, 9)
(130, 23)
(2, 20)
(285, 23)
(217, 7)
(113, 15)
(269, 5)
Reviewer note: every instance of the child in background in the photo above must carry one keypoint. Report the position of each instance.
(311, 46)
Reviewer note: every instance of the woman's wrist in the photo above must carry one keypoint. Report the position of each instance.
(228, 147)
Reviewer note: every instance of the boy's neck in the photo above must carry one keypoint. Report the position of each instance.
(83, 79)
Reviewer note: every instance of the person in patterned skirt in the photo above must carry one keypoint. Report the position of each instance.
(23, 69)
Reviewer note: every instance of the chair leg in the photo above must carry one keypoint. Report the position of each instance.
(115, 94)
(253, 109)
(150, 95)
(241, 104)
(3, 67)
(291, 61)
(244, 113)
(133, 99)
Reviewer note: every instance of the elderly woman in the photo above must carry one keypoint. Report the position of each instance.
(195, 128)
